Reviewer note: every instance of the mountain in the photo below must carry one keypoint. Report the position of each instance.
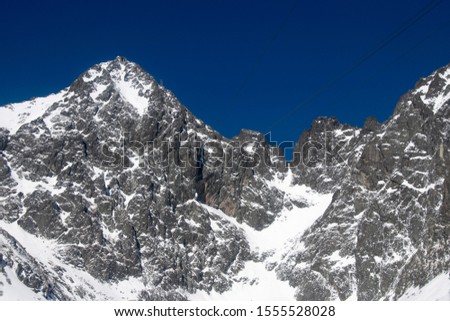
(112, 189)
(387, 228)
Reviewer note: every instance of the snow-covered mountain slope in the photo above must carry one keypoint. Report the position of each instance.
(258, 279)
(112, 189)
(13, 116)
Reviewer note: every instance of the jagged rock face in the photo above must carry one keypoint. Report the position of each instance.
(107, 179)
(387, 227)
(324, 154)
(117, 179)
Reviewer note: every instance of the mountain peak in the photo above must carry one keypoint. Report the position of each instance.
(121, 59)
(118, 65)
(133, 84)
(118, 79)
(434, 90)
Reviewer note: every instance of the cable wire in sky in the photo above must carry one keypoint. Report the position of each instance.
(383, 44)
(405, 53)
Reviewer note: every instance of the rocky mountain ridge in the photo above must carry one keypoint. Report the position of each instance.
(112, 189)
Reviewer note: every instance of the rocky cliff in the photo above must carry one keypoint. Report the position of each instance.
(112, 189)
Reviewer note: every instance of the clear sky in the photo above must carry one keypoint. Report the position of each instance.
(263, 65)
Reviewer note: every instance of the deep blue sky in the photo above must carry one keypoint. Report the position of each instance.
(234, 64)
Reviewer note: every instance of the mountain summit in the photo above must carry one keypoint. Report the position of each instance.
(112, 189)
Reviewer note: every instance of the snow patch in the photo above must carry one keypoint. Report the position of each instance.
(131, 95)
(13, 116)
(99, 89)
(254, 282)
(437, 289)
(27, 186)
